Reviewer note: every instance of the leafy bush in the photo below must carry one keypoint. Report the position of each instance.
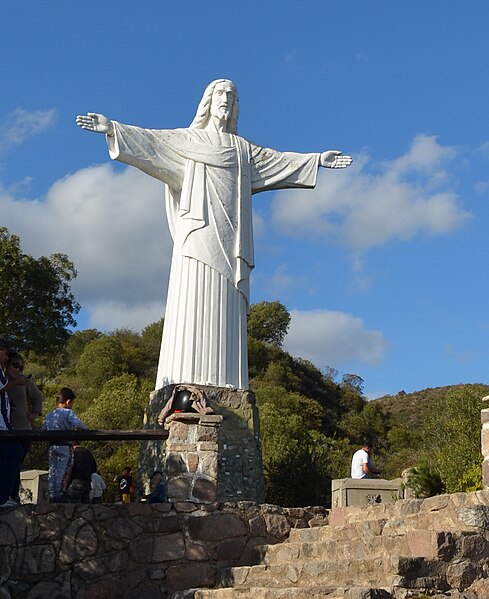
(424, 481)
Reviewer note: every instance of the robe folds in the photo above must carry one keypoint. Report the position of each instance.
(209, 178)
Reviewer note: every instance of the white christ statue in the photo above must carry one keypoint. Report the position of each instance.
(210, 174)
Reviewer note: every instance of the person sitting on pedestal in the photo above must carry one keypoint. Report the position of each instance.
(362, 465)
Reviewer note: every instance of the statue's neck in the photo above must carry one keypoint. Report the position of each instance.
(218, 134)
(217, 125)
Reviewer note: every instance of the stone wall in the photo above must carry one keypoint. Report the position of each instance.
(136, 550)
(192, 457)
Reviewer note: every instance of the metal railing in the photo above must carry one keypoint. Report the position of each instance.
(84, 435)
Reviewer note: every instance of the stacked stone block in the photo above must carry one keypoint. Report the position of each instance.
(135, 550)
(240, 468)
(438, 547)
(191, 457)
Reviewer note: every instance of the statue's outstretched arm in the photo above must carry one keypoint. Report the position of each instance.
(95, 122)
(334, 159)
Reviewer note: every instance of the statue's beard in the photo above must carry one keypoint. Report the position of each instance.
(225, 114)
(222, 114)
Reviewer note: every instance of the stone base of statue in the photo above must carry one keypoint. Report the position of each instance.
(207, 457)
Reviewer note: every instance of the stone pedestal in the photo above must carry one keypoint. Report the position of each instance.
(239, 461)
(485, 442)
(34, 486)
(191, 457)
(347, 492)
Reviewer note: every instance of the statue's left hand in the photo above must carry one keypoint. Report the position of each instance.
(334, 159)
(98, 123)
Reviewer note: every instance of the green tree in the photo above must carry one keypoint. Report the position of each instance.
(370, 422)
(352, 381)
(151, 336)
(120, 406)
(451, 437)
(77, 343)
(37, 305)
(101, 360)
(298, 458)
(269, 322)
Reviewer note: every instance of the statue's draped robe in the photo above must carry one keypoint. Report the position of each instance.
(210, 178)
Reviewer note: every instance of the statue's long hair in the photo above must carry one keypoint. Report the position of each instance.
(204, 109)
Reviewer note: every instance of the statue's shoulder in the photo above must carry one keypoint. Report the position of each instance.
(252, 144)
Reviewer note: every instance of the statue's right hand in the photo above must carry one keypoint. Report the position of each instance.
(95, 122)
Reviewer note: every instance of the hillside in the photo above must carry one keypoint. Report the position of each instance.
(407, 409)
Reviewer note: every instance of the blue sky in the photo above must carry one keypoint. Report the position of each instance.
(383, 266)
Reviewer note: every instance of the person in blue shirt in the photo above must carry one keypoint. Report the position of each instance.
(62, 418)
(157, 488)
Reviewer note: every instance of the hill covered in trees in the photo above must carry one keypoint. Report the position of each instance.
(311, 420)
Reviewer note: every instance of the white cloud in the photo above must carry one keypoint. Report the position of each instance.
(259, 225)
(112, 224)
(112, 314)
(282, 280)
(481, 186)
(22, 124)
(334, 338)
(362, 208)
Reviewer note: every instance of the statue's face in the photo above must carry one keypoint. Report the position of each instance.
(222, 101)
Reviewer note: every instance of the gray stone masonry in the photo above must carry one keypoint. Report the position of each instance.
(133, 551)
(239, 465)
(191, 464)
(410, 549)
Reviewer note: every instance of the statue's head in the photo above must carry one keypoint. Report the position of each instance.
(211, 104)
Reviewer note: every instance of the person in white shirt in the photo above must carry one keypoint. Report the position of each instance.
(98, 488)
(362, 465)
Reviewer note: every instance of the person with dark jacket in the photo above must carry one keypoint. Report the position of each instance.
(26, 403)
(11, 451)
(80, 477)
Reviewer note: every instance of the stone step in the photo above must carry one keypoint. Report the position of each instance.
(355, 530)
(312, 591)
(376, 572)
(416, 543)
(367, 546)
(419, 573)
(377, 526)
(442, 512)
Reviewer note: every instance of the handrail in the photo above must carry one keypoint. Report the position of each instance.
(84, 435)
